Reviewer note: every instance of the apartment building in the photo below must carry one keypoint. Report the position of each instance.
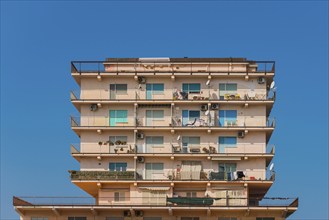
(170, 139)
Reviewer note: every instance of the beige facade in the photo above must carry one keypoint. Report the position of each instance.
(171, 138)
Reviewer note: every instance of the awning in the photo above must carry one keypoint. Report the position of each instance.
(156, 188)
(226, 158)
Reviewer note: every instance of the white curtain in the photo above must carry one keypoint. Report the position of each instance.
(191, 170)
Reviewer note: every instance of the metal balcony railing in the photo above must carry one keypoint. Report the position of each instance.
(174, 148)
(173, 175)
(175, 121)
(163, 201)
(168, 95)
(84, 67)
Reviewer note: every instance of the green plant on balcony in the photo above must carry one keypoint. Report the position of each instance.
(101, 175)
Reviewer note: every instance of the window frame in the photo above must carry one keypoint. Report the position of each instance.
(155, 91)
(116, 166)
(161, 145)
(189, 90)
(119, 90)
(119, 196)
(152, 115)
(119, 119)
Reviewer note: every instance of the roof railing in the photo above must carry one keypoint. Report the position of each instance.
(188, 67)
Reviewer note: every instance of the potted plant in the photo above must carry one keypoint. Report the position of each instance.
(212, 150)
(205, 150)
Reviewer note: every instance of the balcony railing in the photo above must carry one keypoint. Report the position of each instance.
(103, 175)
(167, 121)
(157, 201)
(169, 95)
(204, 149)
(205, 68)
(173, 175)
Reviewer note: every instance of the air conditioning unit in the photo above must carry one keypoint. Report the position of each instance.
(261, 80)
(126, 213)
(139, 213)
(204, 108)
(241, 134)
(214, 106)
(140, 136)
(93, 107)
(140, 159)
(141, 80)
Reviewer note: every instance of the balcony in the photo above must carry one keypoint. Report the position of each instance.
(145, 202)
(173, 148)
(171, 175)
(102, 175)
(204, 67)
(171, 95)
(172, 122)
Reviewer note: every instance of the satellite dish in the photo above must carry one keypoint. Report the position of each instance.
(272, 85)
(178, 138)
(272, 167)
(208, 82)
(207, 112)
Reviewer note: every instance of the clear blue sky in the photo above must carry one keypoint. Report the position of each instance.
(39, 39)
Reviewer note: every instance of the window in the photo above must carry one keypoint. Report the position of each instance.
(117, 89)
(191, 194)
(119, 196)
(116, 139)
(118, 166)
(76, 218)
(192, 87)
(39, 218)
(190, 142)
(227, 167)
(226, 142)
(227, 88)
(154, 115)
(190, 116)
(227, 170)
(155, 88)
(227, 117)
(118, 116)
(154, 140)
(154, 170)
